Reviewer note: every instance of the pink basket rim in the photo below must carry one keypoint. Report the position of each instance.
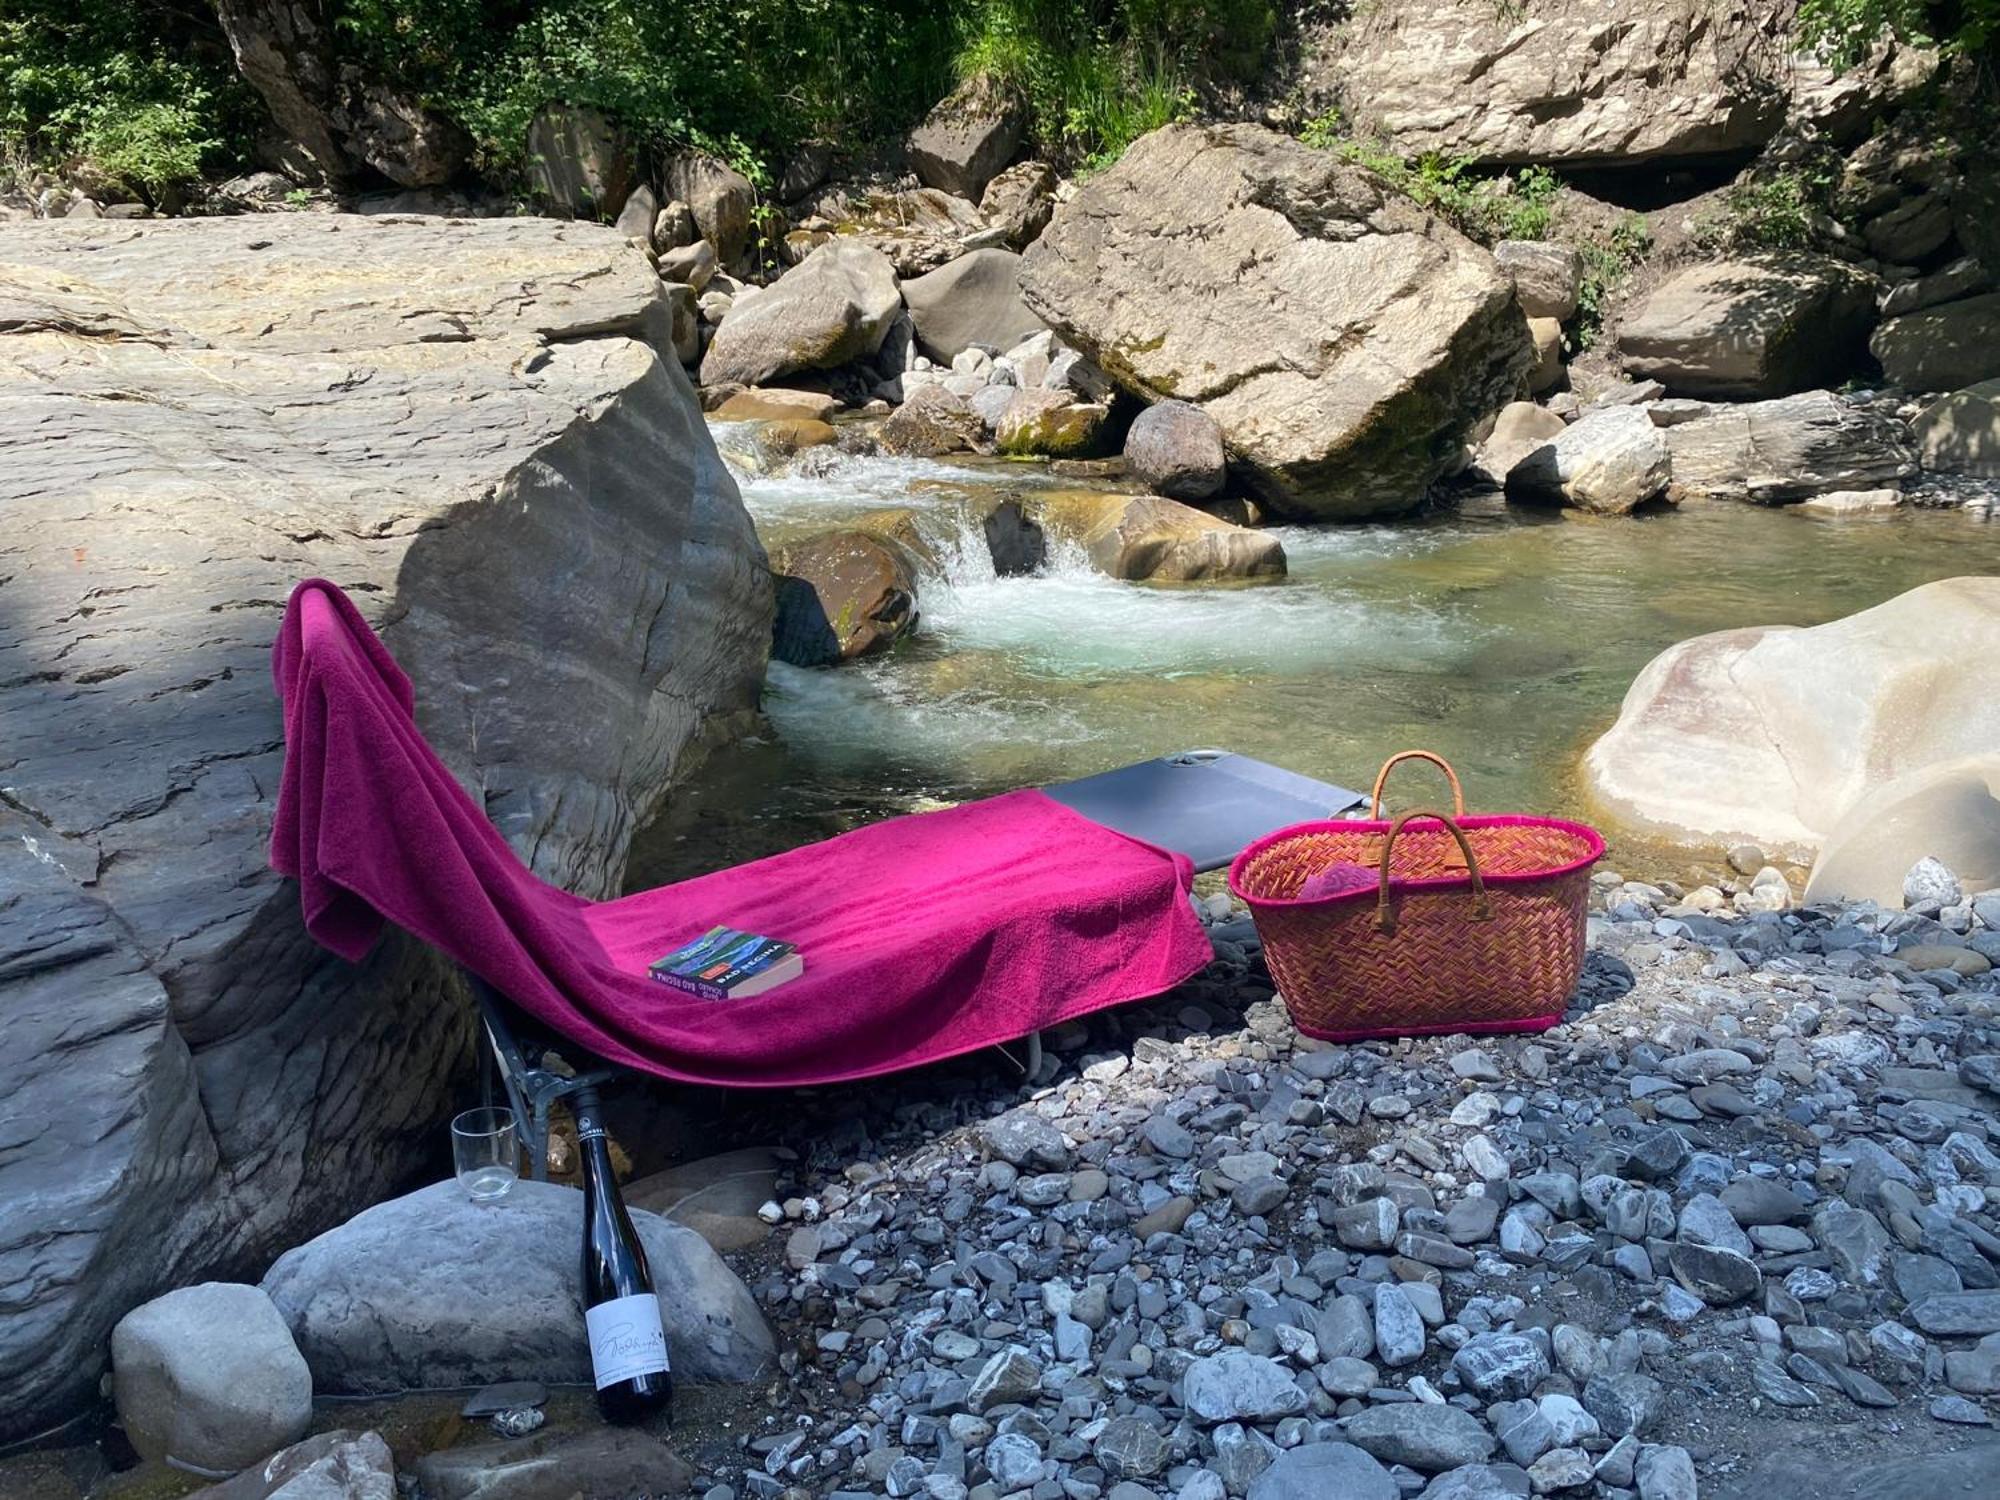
(1593, 843)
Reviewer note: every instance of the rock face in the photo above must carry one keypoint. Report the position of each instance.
(1175, 449)
(1343, 339)
(434, 1290)
(834, 306)
(1772, 452)
(209, 1376)
(1792, 727)
(1960, 434)
(1548, 278)
(1942, 348)
(1764, 325)
(1949, 811)
(966, 139)
(841, 595)
(1609, 461)
(975, 299)
(1145, 536)
(579, 163)
(464, 423)
(1555, 81)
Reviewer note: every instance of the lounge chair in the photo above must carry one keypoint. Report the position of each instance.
(925, 936)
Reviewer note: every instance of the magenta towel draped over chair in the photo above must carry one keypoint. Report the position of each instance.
(923, 936)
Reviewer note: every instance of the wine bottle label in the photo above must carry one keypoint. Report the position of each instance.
(626, 1338)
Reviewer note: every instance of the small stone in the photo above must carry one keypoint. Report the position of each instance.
(1522, 1429)
(1958, 1410)
(1323, 1471)
(1622, 1401)
(1428, 1438)
(1014, 1461)
(1775, 1386)
(1931, 882)
(1025, 1140)
(1009, 1377)
(1561, 1469)
(1236, 1386)
(1347, 1376)
(517, 1421)
(1130, 1448)
(1501, 1366)
(1718, 1277)
(1665, 1473)
(1260, 1195)
(1399, 1331)
(1168, 1139)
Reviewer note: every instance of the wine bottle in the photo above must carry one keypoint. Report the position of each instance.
(628, 1346)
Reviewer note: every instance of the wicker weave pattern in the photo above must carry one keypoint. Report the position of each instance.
(1434, 965)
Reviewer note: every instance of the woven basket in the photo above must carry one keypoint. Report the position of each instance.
(1472, 924)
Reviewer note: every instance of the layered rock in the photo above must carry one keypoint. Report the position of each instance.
(833, 307)
(1566, 82)
(1771, 734)
(1772, 452)
(1343, 339)
(467, 425)
(1150, 537)
(579, 163)
(1942, 348)
(1764, 325)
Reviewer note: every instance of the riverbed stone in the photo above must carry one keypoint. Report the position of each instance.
(1501, 1366)
(721, 201)
(432, 1290)
(1319, 1471)
(1755, 327)
(208, 1376)
(1520, 429)
(1799, 724)
(836, 305)
(1175, 449)
(842, 595)
(967, 138)
(933, 423)
(1049, 424)
(337, 1465)
(596, 1461)
(1236, 1386)
(1149, 537)
(1341, 388)
(1608, 462)
(975, 299)
(1949, 811)
(1430, 1439)
(1547, 276)
(461, 421)
(1960, 433)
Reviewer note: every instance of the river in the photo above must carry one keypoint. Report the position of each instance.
(1501, 638)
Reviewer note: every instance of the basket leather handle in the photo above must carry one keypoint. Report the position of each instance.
(1385, 916)
(1382, 780)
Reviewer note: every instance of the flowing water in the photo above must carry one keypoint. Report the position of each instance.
(1502, 639)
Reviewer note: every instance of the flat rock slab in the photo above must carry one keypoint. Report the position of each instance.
(604, 1461)
(432, 1290)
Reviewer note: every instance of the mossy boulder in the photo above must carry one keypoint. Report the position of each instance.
(1049, 424)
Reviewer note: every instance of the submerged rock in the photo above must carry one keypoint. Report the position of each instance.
(1343, 339)
(1793, 727)
(468, 424)
(433, 1290)
(841, 595)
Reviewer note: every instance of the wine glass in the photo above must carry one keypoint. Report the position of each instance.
(485, 1154)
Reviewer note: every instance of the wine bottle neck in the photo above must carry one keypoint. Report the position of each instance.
(589, 1116)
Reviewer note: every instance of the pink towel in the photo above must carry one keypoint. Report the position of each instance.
(923, 936)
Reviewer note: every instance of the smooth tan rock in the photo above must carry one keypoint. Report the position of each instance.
(975, 299)
(719, 198)
(1610, 461)
(1547, 371)
(841, 595)
(1151, 537)
(1520, 428)
(1757, 326)
(1960, 433)
(1772, 734)
(717, 1197)
(932, 423)
(1927, 956)
(1950, 811)
(776, 404)
(1344, 340)
(1836, 503)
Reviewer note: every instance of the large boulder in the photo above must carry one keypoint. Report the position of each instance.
(208, 1376)
(1764, 325)
(975, 299)
(1949, 811)
(719, 197)
(1148, 536)
(1175, 449)
(1343, 339)
(1772, 452)
(1943, 348)
(967, 138)
(841, 595)
(1571, 82)
(579, 163)
(1610, 461)
(834, 306)
(432, 1290)
(1520, 428)
(1019, 202)
(1771, 735)
(932, 423)
(1960, 433)
(468, 425)
(1548, 278)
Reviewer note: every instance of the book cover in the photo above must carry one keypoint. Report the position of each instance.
(724, 962)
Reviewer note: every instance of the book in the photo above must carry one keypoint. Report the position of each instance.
(724, 964)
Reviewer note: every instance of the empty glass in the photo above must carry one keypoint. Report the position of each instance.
(485, 1153)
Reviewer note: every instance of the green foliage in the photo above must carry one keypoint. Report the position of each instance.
(1098, 74)
(1776, 210)
(1606, 264)
(1487, 207)
(138, 92)
(1845, 30)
